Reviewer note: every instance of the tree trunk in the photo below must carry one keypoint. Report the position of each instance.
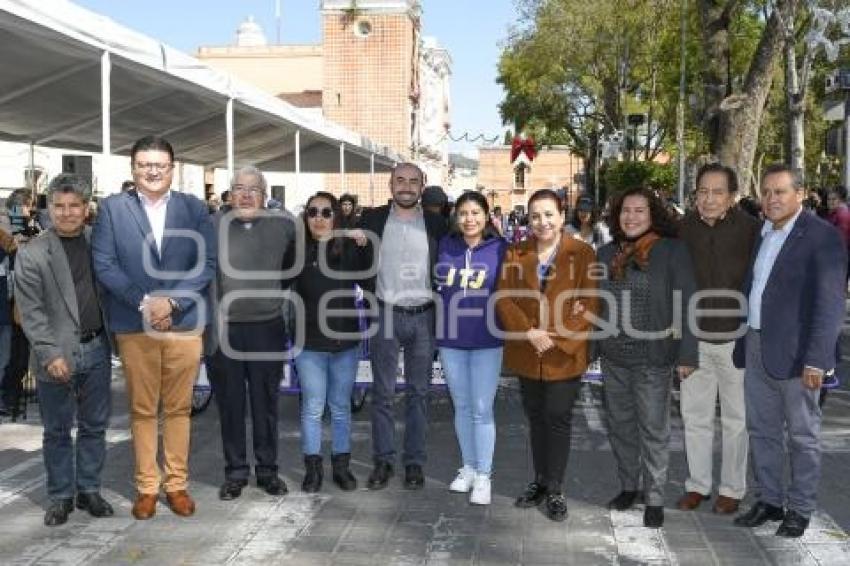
(796, 116)
(740, 114)
(715, 16)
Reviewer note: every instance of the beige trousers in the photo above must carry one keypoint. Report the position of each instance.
(160, 369)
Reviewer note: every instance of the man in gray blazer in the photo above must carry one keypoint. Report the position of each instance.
(56, 292)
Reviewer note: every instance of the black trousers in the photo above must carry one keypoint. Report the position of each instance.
(13, 377)
(231, 378)
(549, 408)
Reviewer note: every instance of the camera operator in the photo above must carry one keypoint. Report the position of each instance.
(24, 227)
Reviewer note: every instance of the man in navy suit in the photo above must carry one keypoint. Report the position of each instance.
(796, 289)
(155, 255)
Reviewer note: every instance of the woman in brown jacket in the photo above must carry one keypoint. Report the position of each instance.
(544, 292)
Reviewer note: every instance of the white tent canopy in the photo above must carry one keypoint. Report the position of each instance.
(74, 79)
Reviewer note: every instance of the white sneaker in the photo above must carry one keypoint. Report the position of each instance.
(480, 490)
(463, 482)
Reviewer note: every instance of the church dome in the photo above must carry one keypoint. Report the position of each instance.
(250, 34)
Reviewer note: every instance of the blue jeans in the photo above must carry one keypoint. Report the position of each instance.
(87, 394)
(326, 376)
(414, 333)
(473, 378)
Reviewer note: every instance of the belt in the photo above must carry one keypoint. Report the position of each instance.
(90, 335)
(418, 309)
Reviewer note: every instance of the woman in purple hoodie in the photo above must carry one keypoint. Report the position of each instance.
(467, 269)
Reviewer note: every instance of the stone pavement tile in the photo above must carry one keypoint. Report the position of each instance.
(410, 531)
(327, 528)
(452, 548)
(688, 541)
(405, 548)
(364, 547)
(353, 558)
(372, 533)
(315, 544)
(335, 511)
(498, 552)
(692, 558)
(305, 558)
(830, 553)
(589, 556)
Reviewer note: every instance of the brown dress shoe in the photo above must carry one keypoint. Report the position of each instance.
(691, 501)
(145, 506)
(180, 503)
(726, 505)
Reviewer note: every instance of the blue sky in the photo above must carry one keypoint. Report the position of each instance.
(472, 30)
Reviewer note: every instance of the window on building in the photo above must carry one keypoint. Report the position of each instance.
(363, 28)
(519, 176)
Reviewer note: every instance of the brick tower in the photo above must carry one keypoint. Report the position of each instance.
(371, 77)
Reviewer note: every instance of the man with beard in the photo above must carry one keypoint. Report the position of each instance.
(406, 238)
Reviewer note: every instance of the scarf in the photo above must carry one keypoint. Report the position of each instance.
(633, 252)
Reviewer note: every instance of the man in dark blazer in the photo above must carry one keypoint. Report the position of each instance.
(404, 238)
(796, 288)
(155, 254)
(55, 289)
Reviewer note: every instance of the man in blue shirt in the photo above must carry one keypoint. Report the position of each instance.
(796, 289)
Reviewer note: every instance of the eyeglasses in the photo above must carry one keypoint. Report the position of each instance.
(159, 167)
(243, 189)
(314, 211)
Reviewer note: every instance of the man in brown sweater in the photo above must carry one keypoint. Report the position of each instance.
(720, 238)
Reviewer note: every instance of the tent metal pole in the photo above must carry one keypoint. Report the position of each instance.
(297, 161)
(342, 166)
(32, 182)
(228, 119)
(106, 104)
(371, 179)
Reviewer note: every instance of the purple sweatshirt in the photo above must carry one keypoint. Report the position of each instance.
(466, 277)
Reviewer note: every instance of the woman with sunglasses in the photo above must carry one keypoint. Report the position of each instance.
(468, 262)
(327, 365)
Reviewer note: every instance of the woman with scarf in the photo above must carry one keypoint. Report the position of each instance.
(544, 291)
(649, 284)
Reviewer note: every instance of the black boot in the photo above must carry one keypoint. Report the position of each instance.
(313, 478)
(342, 475)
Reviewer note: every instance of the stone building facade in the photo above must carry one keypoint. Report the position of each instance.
(509, 184)
(373, 73)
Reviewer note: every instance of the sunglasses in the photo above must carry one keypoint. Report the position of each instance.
(314, 211)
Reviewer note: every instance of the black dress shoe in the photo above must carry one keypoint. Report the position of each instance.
(759, 514)
(653, 516)
(533, 496)
(556, 506)
(413, 477)
(272, 485)
(793, 525)
(624, 500)
(57, 513)
(380, 476)
(96, 505)
(231, 489)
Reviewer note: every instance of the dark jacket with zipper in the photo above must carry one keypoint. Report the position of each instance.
(312, 284)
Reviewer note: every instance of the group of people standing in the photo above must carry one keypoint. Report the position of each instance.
(165, 283)
(740, 312)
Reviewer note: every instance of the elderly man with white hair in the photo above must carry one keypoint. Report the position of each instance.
(248, 335)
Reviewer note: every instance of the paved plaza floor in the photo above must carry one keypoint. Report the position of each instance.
(395, 526)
